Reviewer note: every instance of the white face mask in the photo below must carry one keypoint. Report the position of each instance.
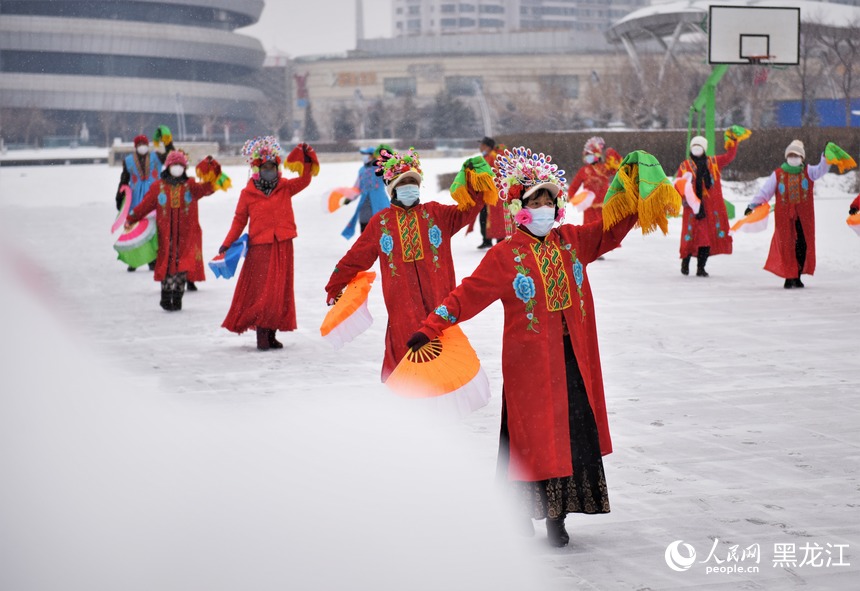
(590, 158)
(794, 160)
(368, 158)
(542, 220)
(176, 170)
(408, 194)
(142, 149)
(697, 151)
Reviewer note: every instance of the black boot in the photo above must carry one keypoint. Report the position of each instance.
(789, 283)
(177, 300)
(485, 244)
(555, 532)
(263, 339)
(152, 266)
(685, 266)
(798, 282)
(131, 269)
(167, 300)
(190, 286)
(273, 342)
(701, 260)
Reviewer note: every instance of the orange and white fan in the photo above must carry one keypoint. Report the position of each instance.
(446, 371)
(853, 222)
(349, 317)
(684, 186)
(756, 221)
(335, 199)
(582, 199)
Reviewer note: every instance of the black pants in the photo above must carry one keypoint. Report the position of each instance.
(482, 222)
(800, 247)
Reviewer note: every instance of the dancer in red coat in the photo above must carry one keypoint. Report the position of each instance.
(792, 248)
(706, 231)
(412, 241)
(264, 299)
(554, 424)
(855, 206)
(174, 199)
(600, 166)
(491, 219)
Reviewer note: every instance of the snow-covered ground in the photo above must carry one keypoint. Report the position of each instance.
(141, 449)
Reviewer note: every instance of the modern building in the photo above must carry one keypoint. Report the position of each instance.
(443, 17)
(122, 67)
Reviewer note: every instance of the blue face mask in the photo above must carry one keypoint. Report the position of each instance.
(408, 194)
(543, 219)
(269, 174)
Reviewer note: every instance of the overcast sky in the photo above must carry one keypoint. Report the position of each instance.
(317, 27)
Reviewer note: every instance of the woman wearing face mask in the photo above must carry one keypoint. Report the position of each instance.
(264, 299)
(554, 426)
(412, 241)
(792, 248)
(372, 196)
(139, 170)
(174, 199)
(600, 166)
(705, 232)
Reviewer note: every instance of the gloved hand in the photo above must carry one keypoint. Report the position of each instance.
(853, 210)
(748, 210)
(701, 215)
(309, 152)
(333, 298)
(213, 165)
(417, 340)
(223, 249)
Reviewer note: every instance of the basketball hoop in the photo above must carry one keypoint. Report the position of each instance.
(758, 60)
(760, 64)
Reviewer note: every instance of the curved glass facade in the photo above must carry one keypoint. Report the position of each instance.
(123, 67)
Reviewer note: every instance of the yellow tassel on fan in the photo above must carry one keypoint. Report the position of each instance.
(463, 199)
(663, 201)
(483, 183)
(297, 167)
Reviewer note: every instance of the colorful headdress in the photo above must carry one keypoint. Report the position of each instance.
(394, 167)
(519, 173)
(594, 145)
(176, 157)
(162, 135)
(141, 140)
(260, 150)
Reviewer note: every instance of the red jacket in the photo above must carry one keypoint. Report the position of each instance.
(414, 250)
(538, 283)
(794, 201)
(271, 215)
(179, 234)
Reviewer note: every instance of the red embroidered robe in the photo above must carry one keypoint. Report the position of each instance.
(538, 283)
(794, 193)
(179, 234)
(712, 231)
(595, 178)
(416, 269)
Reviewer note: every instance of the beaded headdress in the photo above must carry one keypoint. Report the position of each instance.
(394, 167)
(259, 150)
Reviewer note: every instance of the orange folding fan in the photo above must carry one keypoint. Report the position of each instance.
(853, 222)
(446, 370)
(349, 317)
(335, 198)
(756, 221)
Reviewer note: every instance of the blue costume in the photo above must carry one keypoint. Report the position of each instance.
(140, 181)
(372, 199)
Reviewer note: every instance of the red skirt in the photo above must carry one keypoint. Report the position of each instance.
(264, 295)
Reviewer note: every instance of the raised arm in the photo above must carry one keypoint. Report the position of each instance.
(297, 184)
(360, 257)
(592, 241)
(475, 293)
(817, 171)
(576, 182)
(726, 157)
(455, 219)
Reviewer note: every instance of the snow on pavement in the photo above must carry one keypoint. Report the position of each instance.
(733, 409)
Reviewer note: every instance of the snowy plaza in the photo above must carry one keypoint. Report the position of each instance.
(141, 449)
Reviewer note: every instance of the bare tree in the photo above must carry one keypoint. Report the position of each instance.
(843, 51)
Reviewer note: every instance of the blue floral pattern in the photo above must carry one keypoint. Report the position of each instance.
(524, 289)
(435, 235)
(577, 272)
(443, 312)
(386, 243)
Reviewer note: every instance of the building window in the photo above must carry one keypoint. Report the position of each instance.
(414, 10)
(448, 22)
(401, 86)
(566, 86)
(448, 8)
(491, 9)
(467, 8)
(413, 25)
(467, 22)
(463, 85)
(491, 23)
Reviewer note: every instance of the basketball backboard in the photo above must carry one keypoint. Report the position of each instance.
(754, 34)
